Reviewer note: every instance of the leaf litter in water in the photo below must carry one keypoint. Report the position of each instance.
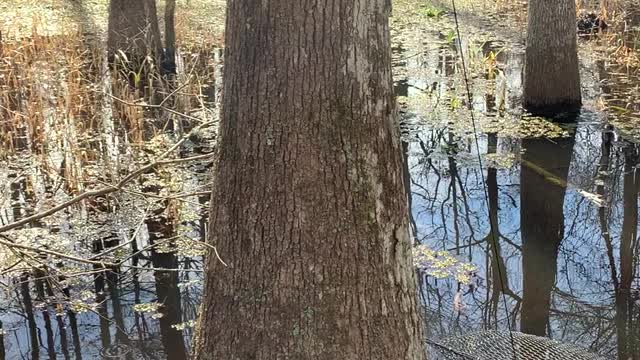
(441, 264)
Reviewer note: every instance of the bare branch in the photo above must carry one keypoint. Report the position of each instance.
(151, 106)
(11, 244)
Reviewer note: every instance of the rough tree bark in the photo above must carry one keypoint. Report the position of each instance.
(133, 28)
(308, 206)
(551, 75)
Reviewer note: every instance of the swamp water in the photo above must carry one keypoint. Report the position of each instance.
(563, 199)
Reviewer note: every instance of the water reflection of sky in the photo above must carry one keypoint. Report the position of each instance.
(450, 209)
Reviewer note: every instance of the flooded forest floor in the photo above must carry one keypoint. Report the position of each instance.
(121, 273)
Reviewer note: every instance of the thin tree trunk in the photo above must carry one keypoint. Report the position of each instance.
(169, 65)
(113, 280)
(160, 227)
(2, 351)
(499, 276)
(39, 276)
(31, 319)
(551, 75)
(101, 298)
(628, 244)
(73, 323)
(406, 174)
(309, 210)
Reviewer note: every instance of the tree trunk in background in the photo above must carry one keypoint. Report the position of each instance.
(38, 280)
(543, 179)
(73, 324)
(161, 227)
(2, 351)
(101, 300)
(169, 64)
(628, 244)
(498, 279)
(551, 74)
(133, 29)
(25, 292)
(309, 210)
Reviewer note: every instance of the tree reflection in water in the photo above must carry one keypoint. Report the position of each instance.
(564, 210)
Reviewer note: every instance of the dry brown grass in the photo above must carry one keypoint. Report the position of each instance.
(61, 105)
(196, 20)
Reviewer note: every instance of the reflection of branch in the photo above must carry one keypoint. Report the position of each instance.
(8, 242)
(603, 168)
(580, 302)
(10, 267)
(118, 186)
(179, 197)
(477, 242)
(133, 238)
(463, 196)
(442, 206)
(555, 180)
(604, 229)
(510, 242)
(98, 192)
(50, 276)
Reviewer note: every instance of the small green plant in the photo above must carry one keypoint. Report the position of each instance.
(491, 65)
(455, 103)
(432, 11)
(450, 37)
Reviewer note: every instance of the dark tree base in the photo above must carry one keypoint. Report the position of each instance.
(563, 113)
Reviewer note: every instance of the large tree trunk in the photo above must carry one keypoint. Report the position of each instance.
(543, 181)
(551, 75)
(133, 29)
(308, 206)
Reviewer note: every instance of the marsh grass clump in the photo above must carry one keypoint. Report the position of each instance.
(46, 88)
(71, 122)
(450, 37)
